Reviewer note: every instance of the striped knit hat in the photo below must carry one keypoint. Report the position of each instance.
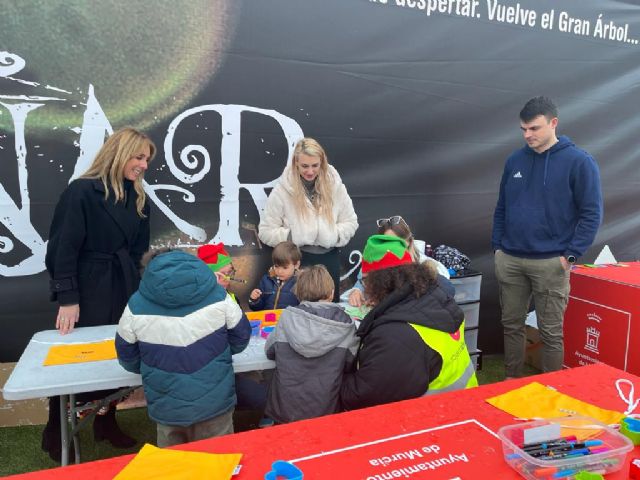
(214, 255)
(384, 251)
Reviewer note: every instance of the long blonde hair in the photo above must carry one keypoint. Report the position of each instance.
(323, 199)
(109, 163)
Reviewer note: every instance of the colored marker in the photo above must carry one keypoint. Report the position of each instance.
(571, 473)
(586, 443)
(550, 471)
(557, 441)
(599, 450)
(564, 447)
(600, 468)
(569, 453)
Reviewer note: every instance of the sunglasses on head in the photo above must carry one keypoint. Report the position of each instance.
(395, 220)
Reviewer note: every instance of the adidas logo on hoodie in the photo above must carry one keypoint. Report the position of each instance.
(517, 174)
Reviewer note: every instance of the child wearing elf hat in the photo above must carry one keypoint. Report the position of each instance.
(412, 341)
(221, 264)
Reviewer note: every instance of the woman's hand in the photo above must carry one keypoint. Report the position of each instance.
(67, 318)
(356, 298)
(255, 294)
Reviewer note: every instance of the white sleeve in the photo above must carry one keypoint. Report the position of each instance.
(271, 229)
(125, 327)
(347, 220)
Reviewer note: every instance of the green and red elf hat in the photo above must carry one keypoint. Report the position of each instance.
(384, 251)
(214, 255)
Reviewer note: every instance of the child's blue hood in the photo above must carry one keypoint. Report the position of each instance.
(175, 279)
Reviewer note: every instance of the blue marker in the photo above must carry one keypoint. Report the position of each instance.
(549, 443)
(564, 447)
(567, 453)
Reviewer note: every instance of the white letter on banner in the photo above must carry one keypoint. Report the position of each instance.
(229, 211)
(18, 220)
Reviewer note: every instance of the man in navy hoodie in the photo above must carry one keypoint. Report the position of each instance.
(548, 213)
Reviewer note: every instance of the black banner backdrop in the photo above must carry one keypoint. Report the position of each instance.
(415, 101)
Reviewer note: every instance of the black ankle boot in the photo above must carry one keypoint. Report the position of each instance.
(52, 444)
(105, 427)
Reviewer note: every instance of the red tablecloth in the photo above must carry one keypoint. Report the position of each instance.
(458, 424)
(629, 275)
(602, 321)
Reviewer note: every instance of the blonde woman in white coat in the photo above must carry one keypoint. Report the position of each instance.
(310, 206)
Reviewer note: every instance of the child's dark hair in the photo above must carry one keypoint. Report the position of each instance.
(380, 283)
(285, 253)
(151, 254)
(314, 284)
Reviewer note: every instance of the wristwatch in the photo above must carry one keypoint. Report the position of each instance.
(571, 259)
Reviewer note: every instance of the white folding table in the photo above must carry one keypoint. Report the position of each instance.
(31, 379)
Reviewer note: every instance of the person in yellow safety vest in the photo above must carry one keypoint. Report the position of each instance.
(412, 341)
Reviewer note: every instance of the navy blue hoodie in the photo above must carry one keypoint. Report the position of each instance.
(550, 203)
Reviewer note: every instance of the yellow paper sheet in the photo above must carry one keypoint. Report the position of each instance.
(159, 463)
(538, 401)
(81, 353)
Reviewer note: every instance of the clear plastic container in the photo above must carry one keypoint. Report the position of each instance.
(608, 456)
(471, 338)
(467, 287)
(476, 358)
(471, 314)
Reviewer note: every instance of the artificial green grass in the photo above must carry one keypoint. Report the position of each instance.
(20, 446)
(493, 369)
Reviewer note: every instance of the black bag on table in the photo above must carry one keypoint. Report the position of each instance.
(451, 257)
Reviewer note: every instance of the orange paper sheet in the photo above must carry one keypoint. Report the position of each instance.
(81, 353)
(158, 463)
(260, 315)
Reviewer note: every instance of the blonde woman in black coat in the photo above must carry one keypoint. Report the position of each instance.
(100, 230)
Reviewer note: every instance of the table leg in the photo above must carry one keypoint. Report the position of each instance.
(65, 414)
(64, 430)
(74, 429)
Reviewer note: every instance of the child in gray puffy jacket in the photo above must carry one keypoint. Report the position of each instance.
(312, 346)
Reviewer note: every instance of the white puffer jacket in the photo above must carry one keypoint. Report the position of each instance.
(280, 217)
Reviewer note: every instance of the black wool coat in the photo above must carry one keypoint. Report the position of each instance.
(94, 250)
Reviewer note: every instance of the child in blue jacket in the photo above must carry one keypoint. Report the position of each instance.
(179, 331)
(276, 287)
